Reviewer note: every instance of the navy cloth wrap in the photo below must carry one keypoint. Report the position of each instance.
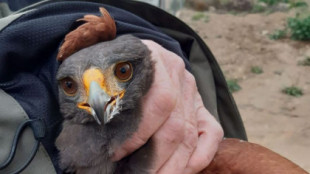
(28, 49)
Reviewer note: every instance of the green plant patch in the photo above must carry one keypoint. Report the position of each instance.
(305, 62)
(299, 28)
(293, 91)
(201, 16)
(257, 8)
(277, 34)
(198, 16)
(298, 4)
(273, 2)
(256, 70)
(233, 85)
(268, 5)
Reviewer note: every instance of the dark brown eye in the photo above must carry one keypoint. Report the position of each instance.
(123, 71)
(68, 85)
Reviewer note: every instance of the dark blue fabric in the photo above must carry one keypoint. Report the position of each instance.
(28, 49)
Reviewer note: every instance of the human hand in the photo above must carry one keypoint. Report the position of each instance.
(184, 133)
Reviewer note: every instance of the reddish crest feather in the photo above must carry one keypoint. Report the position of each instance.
(96, 29)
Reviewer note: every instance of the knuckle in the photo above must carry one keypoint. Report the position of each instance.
(163, 102)
(200, 109)
(190, 78)
(167, 99)
(168, 94)
(191, 86)
(219, 133)
(216, 129)
(179, 63)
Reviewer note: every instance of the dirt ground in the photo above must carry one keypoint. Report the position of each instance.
(272, 119)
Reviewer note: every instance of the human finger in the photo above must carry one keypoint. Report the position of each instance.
(157, 104)
(210, 135)
(179, 159)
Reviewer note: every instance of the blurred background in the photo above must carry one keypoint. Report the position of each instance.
(263, 49)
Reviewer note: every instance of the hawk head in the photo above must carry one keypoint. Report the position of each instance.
(103, 82)
(100, 82)
(100, 92)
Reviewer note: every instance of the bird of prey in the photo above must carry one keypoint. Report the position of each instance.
(101, 83)
(100, 91)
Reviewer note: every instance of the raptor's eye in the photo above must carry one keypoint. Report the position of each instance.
(69, 86)
(123, 71)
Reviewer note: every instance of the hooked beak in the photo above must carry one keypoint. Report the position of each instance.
(101, 105)
(98, 101)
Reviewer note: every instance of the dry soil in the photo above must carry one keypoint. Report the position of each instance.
(272, 119)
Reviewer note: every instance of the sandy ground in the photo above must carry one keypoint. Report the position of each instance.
(272, 119)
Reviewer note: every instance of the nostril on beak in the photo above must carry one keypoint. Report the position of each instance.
(84, 106)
